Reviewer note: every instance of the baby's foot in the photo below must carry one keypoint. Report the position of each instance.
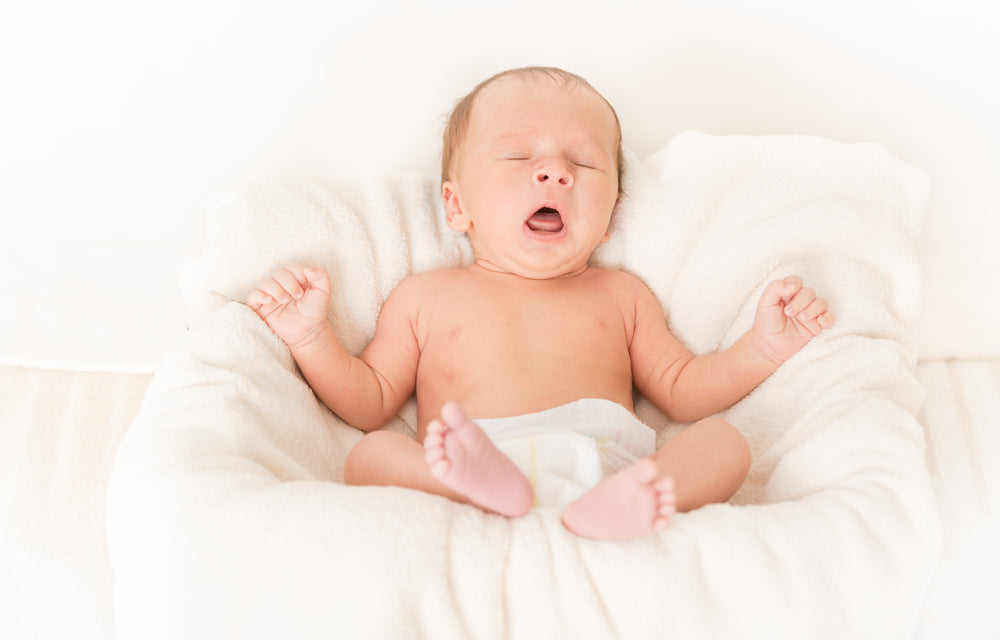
(461, 455)
(628, 504)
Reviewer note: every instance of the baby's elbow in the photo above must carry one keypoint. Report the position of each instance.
(681, 408)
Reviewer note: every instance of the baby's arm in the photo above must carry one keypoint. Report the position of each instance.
(688, 388)
(365, 391)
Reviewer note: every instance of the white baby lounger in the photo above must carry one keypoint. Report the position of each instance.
(227, 516)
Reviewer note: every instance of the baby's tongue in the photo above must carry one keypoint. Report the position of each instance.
(546, 220)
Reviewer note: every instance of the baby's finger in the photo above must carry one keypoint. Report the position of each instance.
(793, 280)
(257, 299)
(826, 320)
(298, 272)
(790, 286)
(316, 276)
(811, 314)
(800, 302)
(289, 281)
(316, 280)
(271, 287)
(778, 291)
(815, 309)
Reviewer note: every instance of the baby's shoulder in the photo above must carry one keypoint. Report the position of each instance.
(617, 279)
(419, 287)
(629, 290)
(411, 296)
(431, 280)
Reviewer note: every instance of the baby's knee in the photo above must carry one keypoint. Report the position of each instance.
(729, 442)
(359, 458)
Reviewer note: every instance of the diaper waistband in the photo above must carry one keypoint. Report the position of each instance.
(601, 419)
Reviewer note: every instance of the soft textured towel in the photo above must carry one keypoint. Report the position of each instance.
(227, 518)
(566, 450)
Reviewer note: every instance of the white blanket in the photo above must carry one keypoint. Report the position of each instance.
(227, 517)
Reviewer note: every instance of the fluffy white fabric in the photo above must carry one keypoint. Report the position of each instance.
(226, 515)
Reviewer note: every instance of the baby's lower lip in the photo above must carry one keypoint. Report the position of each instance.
(545, 236)
(545, 222)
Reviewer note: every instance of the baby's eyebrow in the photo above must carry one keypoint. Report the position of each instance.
(510, 138)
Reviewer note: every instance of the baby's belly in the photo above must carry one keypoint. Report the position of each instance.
(509, 386)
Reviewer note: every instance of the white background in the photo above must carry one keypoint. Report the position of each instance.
(119, 120)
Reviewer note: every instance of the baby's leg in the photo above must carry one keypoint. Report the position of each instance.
(386, 458)
(457, 461)
(707, 463)
(461, 455)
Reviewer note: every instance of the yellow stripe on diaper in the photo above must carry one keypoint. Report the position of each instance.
(532, 472)
(606, 467)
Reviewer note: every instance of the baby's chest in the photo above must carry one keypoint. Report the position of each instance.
(532, 326)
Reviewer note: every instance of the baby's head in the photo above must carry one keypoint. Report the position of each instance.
(458, 122)
(531, 171)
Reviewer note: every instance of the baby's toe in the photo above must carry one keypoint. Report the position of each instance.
(666, 495)
(665, 486)
(666, 483)
(440, 468)
(433, 440)
(645, 471)
(452, 415)
(435, 427)
(434, 449)
(433, 454)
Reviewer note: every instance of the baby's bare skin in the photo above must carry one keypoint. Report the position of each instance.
(547, 342)
(531, 326)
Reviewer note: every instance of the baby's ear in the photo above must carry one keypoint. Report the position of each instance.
(457, 218)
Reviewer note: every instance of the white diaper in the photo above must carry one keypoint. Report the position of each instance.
(567, 450)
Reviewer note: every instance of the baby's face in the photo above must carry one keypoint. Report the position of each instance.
(535, 179)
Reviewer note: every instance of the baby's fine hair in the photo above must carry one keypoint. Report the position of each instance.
(458, 122)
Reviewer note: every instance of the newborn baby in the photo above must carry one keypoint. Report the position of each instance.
(531, 335)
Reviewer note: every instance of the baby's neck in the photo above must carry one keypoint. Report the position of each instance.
(484, 267)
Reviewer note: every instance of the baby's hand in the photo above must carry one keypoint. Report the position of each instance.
(293, 302)
(788, 316)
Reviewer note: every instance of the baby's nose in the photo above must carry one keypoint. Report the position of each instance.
(554, 172)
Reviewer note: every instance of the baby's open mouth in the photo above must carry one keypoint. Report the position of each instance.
(545, 220)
